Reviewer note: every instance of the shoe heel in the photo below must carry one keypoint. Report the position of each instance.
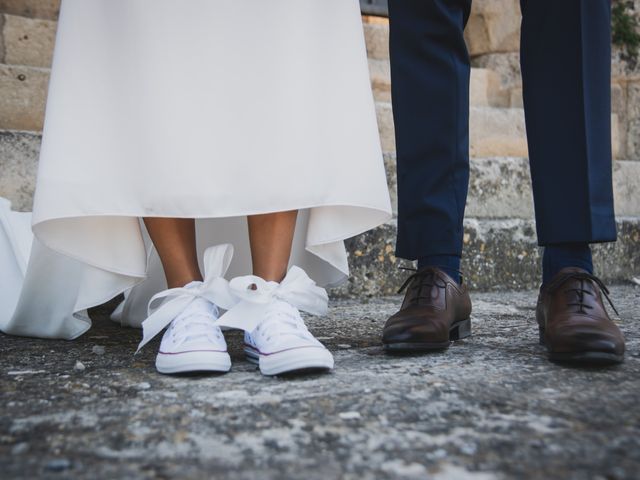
(460, 330)
(541, 332)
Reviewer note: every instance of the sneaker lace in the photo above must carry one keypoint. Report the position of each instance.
(196, 326)
(282, 319)
(579, 299)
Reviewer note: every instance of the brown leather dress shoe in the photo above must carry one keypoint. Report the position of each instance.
(435, 311)
(574, 324)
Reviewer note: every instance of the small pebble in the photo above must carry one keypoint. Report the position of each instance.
(98, 349)
(20, 448)
(344, 345)
(58, 465)
(79, 366)
(350, 415)
(143, 386)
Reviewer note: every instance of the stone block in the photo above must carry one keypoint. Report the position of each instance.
(626, 188)
(385, 126)
(506, 65)
(501, 187)
(392, 180)
(619, 108)
(48, 9)
(621, 66)
(494, 132)
(18, 166)
(2, 48)
(28, 41)
(515, 98)
(485, 89)
(497, 254)
(497, 132)
(615, 137)
(377, 39)
(23, 93)
(494, 26)
(380, 73)
(633, 120)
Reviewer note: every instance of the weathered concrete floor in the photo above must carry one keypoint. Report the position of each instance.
(491, 407)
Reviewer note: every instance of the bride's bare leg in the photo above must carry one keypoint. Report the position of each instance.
(271, 236)
(175, 240)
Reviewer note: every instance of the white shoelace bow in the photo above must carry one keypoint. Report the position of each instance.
(244, 298)
(253, 295)
(214, 288)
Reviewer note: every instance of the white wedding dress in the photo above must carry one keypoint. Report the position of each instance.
(207, 109)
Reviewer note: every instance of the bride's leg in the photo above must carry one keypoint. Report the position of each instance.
(280, 341)
(271, 236)
(175, 240)
(192, 341)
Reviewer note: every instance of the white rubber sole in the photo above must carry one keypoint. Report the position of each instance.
(185, 362)
(294, 360)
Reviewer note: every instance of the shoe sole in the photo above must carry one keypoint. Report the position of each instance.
(586, 358)
(457, 331)
(596, 359)
(188, 362)
(299, 360)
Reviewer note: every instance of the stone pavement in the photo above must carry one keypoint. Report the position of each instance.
(491, 407)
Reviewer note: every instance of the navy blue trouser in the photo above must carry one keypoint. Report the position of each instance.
(566, 65)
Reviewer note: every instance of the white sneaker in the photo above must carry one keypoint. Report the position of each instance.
(193, 342)
(281, 343)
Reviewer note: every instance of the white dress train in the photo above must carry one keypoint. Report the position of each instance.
(217, 111)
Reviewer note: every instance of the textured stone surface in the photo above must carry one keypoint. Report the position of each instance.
(626, 182)
(625, 112)
(2, 48)
(377, 40)
(392, 179)
(493, 131)
(633, 118)
(492, 407)
(506, 65)
(28, 41)
(23, 93)
(500, 188)
(620, 108)
(485, 89)
(18, 167)
(498, 132)
(497, 254)
(621, 65)
(48, 9)
(385, 126)
(380, 73)
(494, 26)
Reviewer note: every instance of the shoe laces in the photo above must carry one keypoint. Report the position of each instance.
(423, 281)
(196, 323)
(580, 292)
(282, 319)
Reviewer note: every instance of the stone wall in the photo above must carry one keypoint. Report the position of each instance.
(493, 39)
